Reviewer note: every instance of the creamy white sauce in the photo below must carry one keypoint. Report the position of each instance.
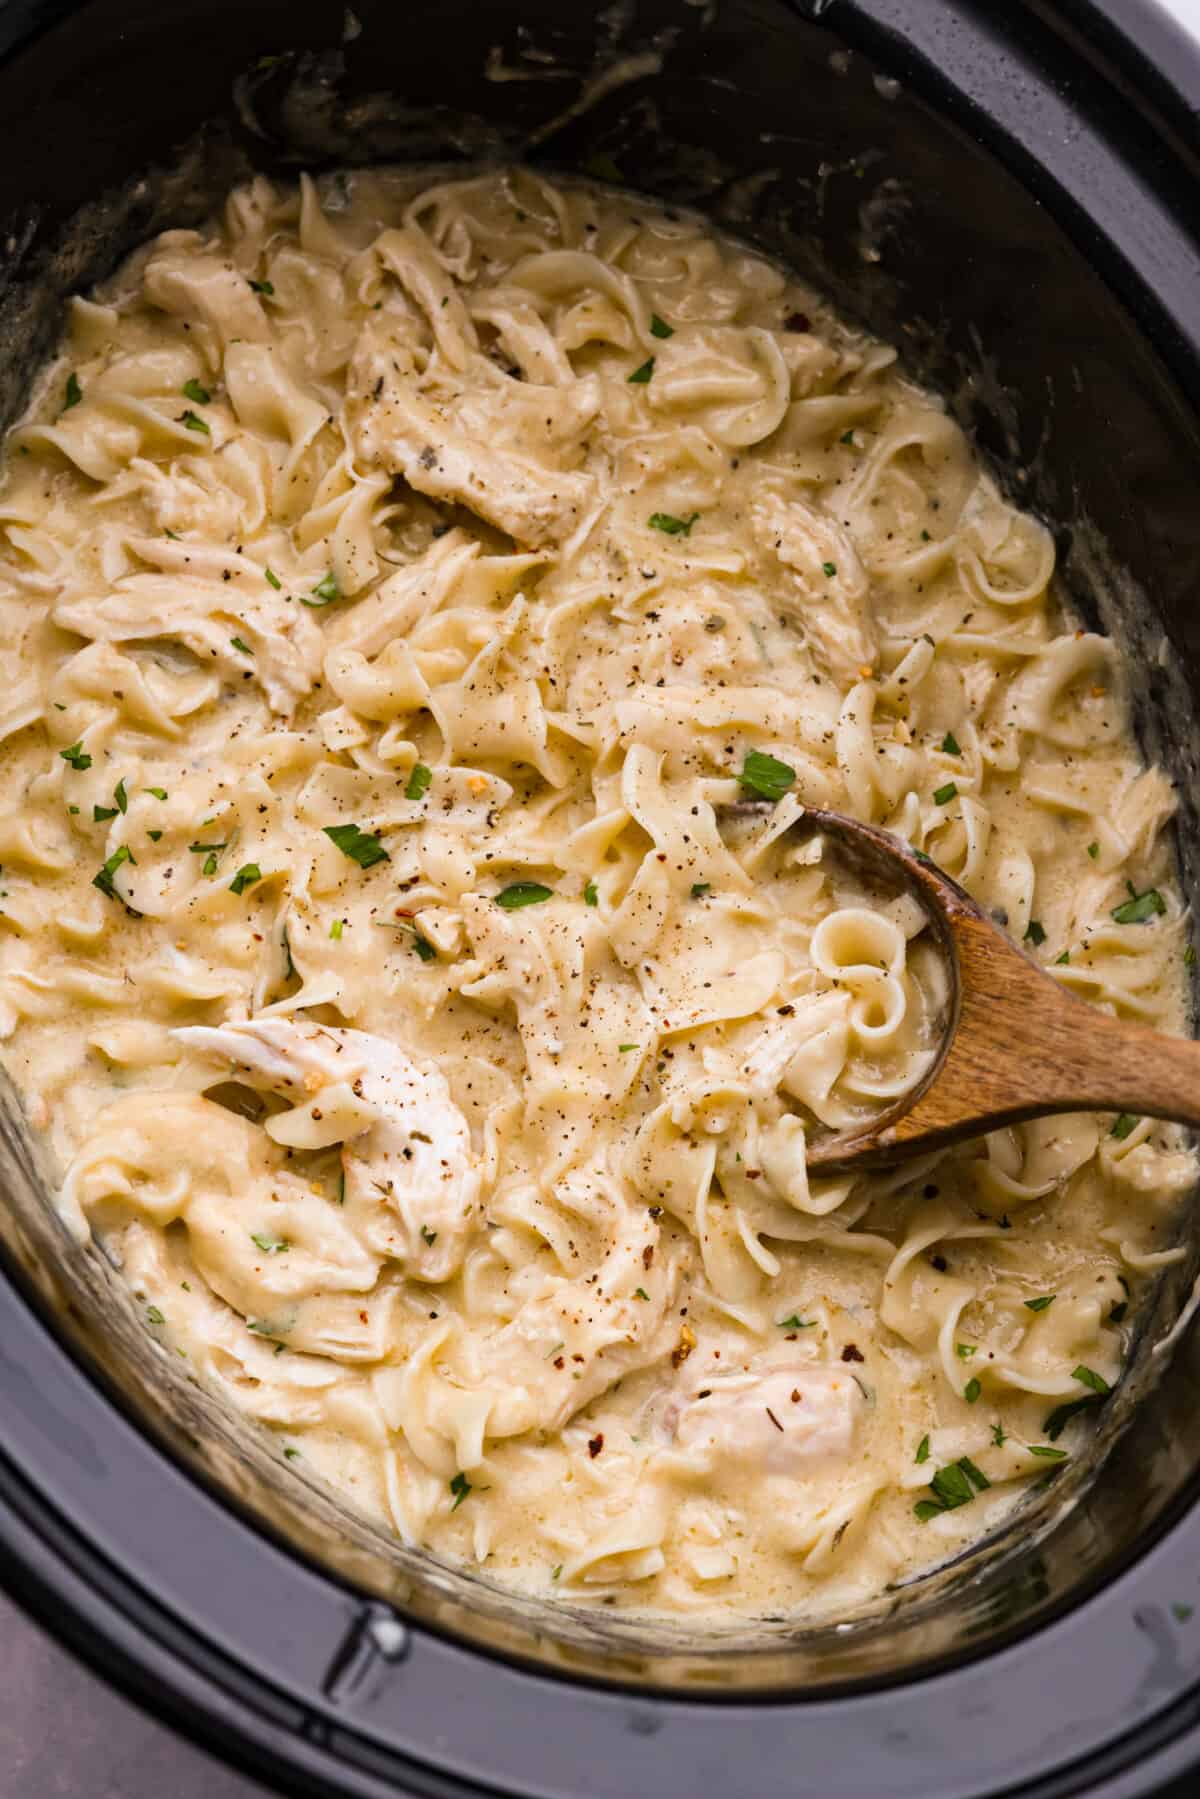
(404, 597)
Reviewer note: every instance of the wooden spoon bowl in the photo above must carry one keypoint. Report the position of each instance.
(1016, 1044)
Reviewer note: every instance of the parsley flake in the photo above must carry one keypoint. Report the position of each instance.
(640, 1293)
(659, 327)
(1044, 1450)
(672, 526)
(429, 1236)
(243, 647)
(154, 1316)
(247, 875)
(424, 948)
(1093, 850)
(523, 893)
(101, 813)
(270, 1245)
(796, 1323)
(641, 375)
(950, 744)
(922, 1454)
(335, 930)
(192, 390)
(1090, 1378)
(263, 287)
(194, 422)
(700, 888)
(324, 593)
(77, 756)
(272, 578)
(361, 846)
(829, 570)
(460, 1486)
(1123, 1124)
(766, 776)
(1140, 908)
(943, 795)
(418, 782)
(104, 879)
(1042, 1304)
(160, 793)
(74, 392)
(591, 896)
(1036, 933)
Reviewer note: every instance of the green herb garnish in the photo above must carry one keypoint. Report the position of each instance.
(104, 880)
(247, 875)
(424, 948)
(101, 813)
(192, 390)
(160, 793)
(335, 930)
(1036, 933)
(659, 327)
(640, 1293)
(418, 782)
(971, 1391)
(429, 1236)
(674, 527)
(273, 578)
(1090, 1378)
(796, 1323)
(243, 647)
(324, 593)
(77, 756)
(1123, 1124)
(1044, 1450)
(950, 744)
(922, 1454)
(641, 375)
(154, 1316)
(1093, 850)
(460, 1486)
(523, 893)
(194, 422)
(700, 888)
(263, 287)
(829, 570)
(74, 392)
(591, 896)
(1139, 908)
(943, 795)
(270, 1246)
(1040, 1305)
(360, 846)
(766, 776)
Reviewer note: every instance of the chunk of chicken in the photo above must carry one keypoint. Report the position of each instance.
(406, 1152)
(781, 1420)
(815, 560)
(406, 433)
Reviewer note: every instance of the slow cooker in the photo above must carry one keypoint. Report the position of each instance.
(1012, 195)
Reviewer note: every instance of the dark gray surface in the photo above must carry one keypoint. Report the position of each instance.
(65, 1735)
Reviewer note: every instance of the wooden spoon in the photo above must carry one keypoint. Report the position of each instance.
(1017, 1044)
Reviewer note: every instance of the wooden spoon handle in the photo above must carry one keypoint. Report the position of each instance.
(1019, 1046)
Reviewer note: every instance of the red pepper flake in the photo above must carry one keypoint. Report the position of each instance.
(852, 1354)
(595, 1445)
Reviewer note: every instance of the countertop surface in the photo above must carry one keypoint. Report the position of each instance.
(65, 1735)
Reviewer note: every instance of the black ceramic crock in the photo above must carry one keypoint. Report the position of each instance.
(1010, 193)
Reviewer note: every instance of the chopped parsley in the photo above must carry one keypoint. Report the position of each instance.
(1045, 1451)
(523, 893)
(335, 929)
(640, 1293)
(1056, 1422)
(270, 1245)
(1090, 1378)
(943, 795)
(674, 527)
(74, 392)
(1093, 850)
(829, 570)
(194, 422)
(950, 744)
(998, 1436)
(121, 797)
(361, 846)
(591, 896)
(1123, 1124)
(247, 876)
(847, 437)
(766, 776)
(154, 1316)
(951, 1487)
(1042, 1304)
(964, 1351)
(324, 593)
(418, 782)
(1181, 1612)
(273, 578)
(104, 880)
(77, 756)
(243, 647)
(101, 813)
(1060, 961)
(1139, 908)
(424, 948)
(971, 1391)
(192, 390)
(922, 1454)
(160, 793)
(700, 888)
(796, 1323)
(623, 1049)
(1036, 933)
(641, 375)
(290, 1454)
(263, 287)
(460, 1486)
(659, 327)
(211, 853)
(154, 836)
(429, 1236)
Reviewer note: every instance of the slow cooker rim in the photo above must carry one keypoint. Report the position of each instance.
(33, 1560)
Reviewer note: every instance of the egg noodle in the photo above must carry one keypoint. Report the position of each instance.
(428, 608)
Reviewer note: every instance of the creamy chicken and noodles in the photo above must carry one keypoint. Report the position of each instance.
(427, 609)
